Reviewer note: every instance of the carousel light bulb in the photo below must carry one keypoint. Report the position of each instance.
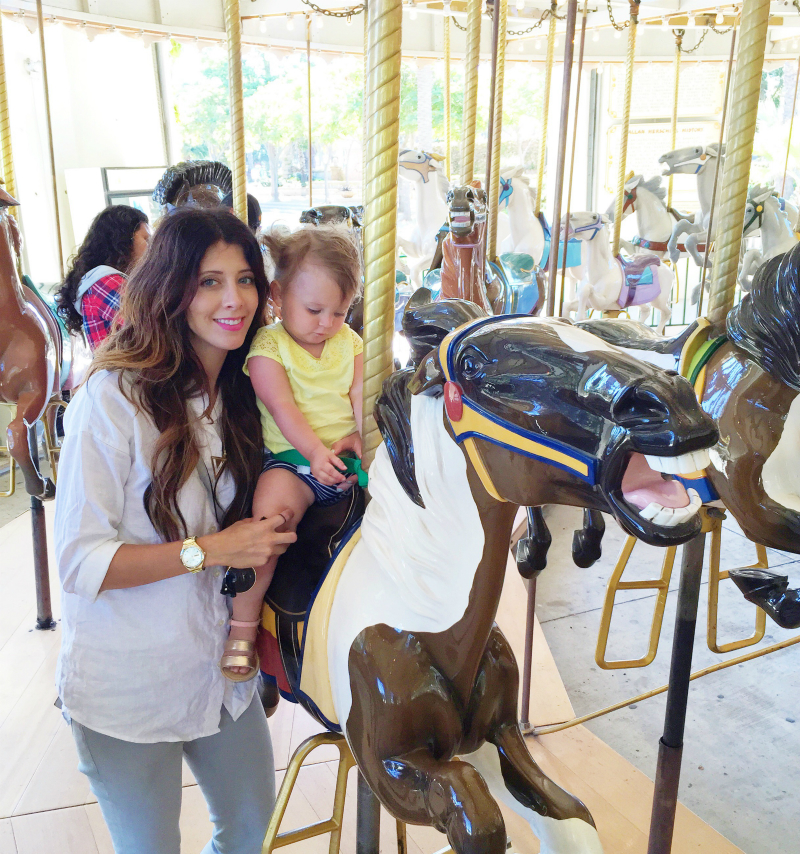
(617, 34)
(691, 21)
(719, 18)
(446, 8)
(595, 35)
(537, 44)
(664, 24)
(521, 47)
(318, 20)
(289, 21)
(413, 13)
(262, 23)
(520, 5)
(794, 44)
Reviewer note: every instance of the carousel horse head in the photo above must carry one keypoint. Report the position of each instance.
(584, 225)
(416, 165)
(755, 208)
(691, 160)
(633, 185)
(327, 215)
(197, 183)
(548, 413)
(467, 206)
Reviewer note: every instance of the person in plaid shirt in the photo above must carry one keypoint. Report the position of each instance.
(89, 300)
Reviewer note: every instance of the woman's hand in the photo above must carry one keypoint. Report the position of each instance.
(249, 542)
(326, 467)
(348, 443)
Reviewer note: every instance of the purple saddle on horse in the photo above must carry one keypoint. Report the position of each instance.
(639, 283)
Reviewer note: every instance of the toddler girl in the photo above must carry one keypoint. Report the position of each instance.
(306, 370)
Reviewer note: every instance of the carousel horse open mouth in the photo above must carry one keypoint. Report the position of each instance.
(648, 485)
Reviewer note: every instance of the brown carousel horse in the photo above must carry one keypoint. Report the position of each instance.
(30, 354)
(748, 381)
(396, 645)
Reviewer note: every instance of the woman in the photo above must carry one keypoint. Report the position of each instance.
(157, 470)
(89, 300)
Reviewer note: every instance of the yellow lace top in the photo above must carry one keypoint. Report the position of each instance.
(321, 387)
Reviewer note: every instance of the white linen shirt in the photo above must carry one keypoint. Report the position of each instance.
(139, 664)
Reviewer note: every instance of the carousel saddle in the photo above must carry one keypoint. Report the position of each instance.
(293, 652)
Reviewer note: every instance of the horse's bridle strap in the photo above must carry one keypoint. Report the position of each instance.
(475, 423)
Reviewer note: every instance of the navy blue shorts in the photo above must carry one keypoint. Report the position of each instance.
(324, 496)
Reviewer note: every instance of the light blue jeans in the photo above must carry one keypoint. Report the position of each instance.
(138, 786)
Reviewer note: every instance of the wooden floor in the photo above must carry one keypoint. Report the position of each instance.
(46, 805)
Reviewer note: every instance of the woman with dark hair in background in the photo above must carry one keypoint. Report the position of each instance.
(159, 463)
(89, 300)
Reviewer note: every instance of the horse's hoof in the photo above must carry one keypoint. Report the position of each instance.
(531, 557)
(770, 592)
(48, 492)
(586, 548)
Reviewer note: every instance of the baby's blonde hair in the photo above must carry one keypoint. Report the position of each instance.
(329, 246)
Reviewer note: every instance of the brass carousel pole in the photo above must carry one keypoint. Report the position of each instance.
(493, 156)
(555, 231)
(383, 125)
(675, 89)
(5, 125)
(470, 114)
(626, 121)
(447, 143)
(49, 120)
(738, 154)
(733, 198)
(308, 81)
(548, 75)
(233, 29)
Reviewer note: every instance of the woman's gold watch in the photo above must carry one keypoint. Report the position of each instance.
(192, 555)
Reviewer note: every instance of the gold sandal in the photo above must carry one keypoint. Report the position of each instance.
(240, 653)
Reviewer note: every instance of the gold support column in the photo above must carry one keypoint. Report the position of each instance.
(675, 89)
(470, 114)
(548, 76)
(447, 143)
(626, 121)
(501, 11)
(233, 28)
(738, 154)
(5, 125)
(308, 83)
(384, 28)
(49, 120)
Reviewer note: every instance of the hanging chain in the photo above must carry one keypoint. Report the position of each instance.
(345, 13)
(721, 32)
(614, 24)
(693, 49)
(489, 10)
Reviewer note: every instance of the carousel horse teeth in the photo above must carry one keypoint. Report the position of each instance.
(684, 464)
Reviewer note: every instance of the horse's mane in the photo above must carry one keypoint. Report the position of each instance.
(417, 547)
(654, 186)
(516, 172)
(760, 193)
(764, 324)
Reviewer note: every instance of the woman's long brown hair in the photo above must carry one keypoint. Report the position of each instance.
(152, 350)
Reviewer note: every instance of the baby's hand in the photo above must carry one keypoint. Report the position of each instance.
(326, 467)
(348, 443)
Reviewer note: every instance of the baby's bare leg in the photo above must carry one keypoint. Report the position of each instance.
(277, 490)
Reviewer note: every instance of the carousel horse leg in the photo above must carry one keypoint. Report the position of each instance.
(770, 591)
(532, 549)
(29, 408)
(403, 709)
(561, 822)
(586, 543)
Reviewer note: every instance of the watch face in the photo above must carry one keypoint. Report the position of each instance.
(192, 556)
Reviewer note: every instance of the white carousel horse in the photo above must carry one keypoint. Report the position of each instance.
(763, 216)
(605, 283)
(654, 221)
(524, 232)
(699, 160)
(418, 238)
